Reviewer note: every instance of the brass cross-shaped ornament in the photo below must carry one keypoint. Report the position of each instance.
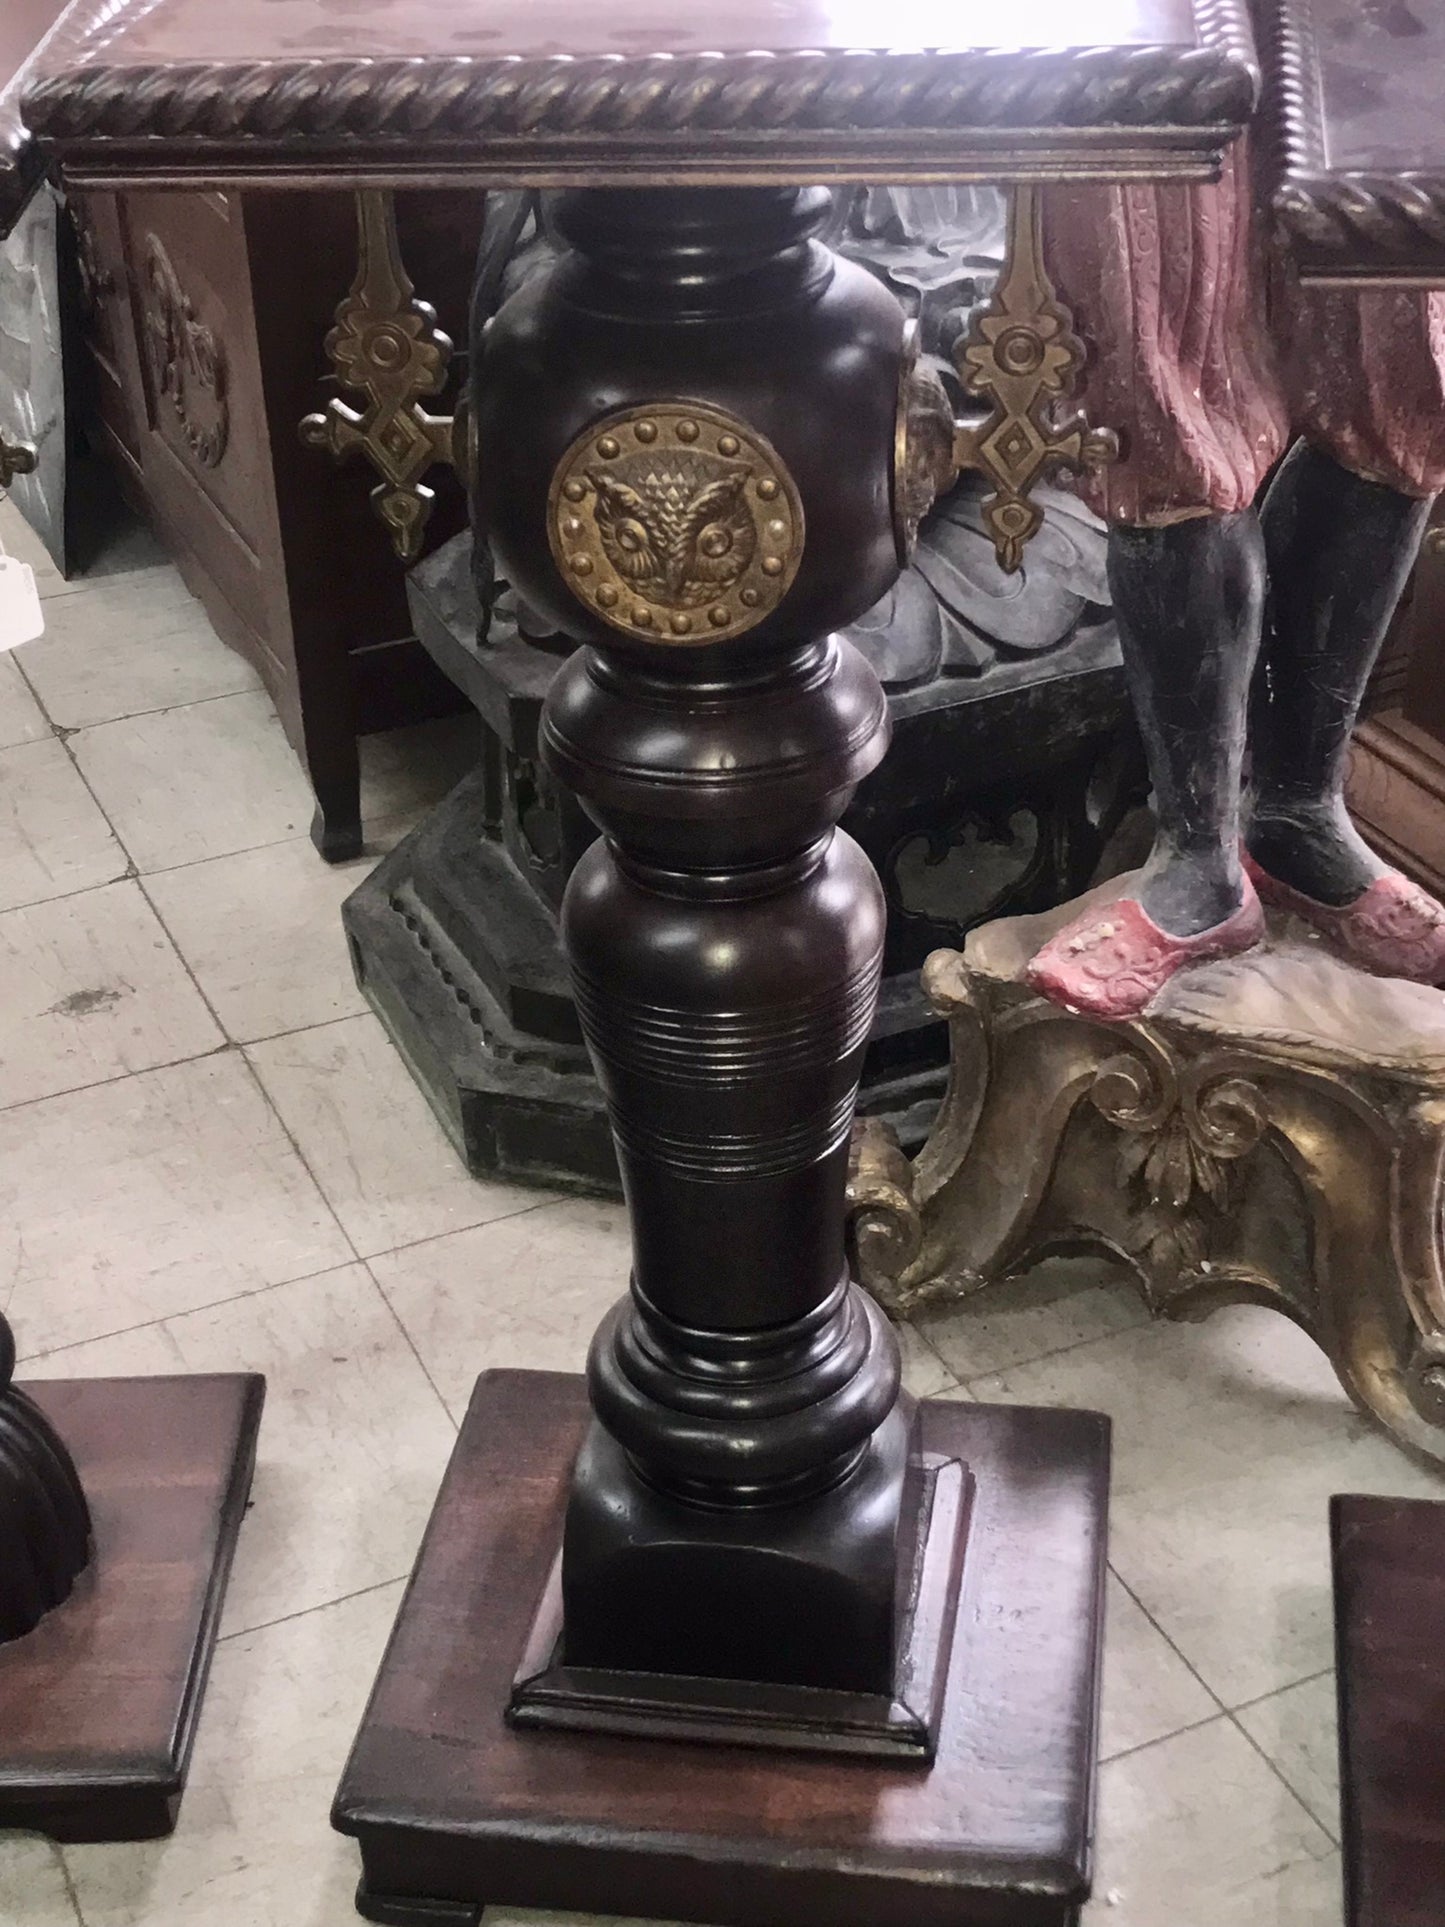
(1021, 357)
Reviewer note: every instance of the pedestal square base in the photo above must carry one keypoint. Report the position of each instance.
(99, 1704)
(454, 1810)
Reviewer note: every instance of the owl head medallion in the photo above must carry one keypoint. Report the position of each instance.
(676, 523)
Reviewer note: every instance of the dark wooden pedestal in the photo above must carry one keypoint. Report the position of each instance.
(1389, 1561)
(455, 1810)
(99, 1704)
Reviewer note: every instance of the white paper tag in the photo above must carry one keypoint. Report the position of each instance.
(21, 617)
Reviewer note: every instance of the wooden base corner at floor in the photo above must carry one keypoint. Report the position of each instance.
(99, 1704)
(455, 1810)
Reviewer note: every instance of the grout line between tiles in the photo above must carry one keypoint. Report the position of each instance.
(350, 1242)
(1171, 1643)
(305, 1612)
(1163, 1739)
(187, 1311)
(99, 1083)
(1059, 1351)
(1332, 1833)
(1307, 1679)
(70, 1889)
(503, 1217)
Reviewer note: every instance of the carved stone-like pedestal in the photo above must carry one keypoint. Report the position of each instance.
(1272, 1131)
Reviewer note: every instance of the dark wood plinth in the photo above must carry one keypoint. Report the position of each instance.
(454, 1810)
(1389, 1565)
(99, 1704)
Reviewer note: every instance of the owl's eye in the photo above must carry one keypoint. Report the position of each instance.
(715, 541)
(632, 535)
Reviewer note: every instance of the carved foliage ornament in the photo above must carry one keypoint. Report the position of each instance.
(187, 365)
(675, 522)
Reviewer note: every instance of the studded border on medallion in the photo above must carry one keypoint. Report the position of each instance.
(675, 523)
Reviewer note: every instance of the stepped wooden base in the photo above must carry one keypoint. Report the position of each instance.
(455, 1810)
(1389, 1570)
(99, 1704)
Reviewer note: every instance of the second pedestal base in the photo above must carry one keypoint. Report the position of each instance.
(99, 1704)
(454, 1810)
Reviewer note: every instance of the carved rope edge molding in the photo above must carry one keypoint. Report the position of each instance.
(330, 101)
(1392, 217)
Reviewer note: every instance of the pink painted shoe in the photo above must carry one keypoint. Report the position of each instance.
(1113, 961)
(1393, 929)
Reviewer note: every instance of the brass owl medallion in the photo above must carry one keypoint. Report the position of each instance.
(676, 523)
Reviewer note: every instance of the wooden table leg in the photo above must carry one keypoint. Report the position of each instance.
(686, 432)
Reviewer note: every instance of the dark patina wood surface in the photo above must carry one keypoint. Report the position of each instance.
(453, 1809)
(1355, 87)
(543, 91)
(99, 1704)
(1389, 1564)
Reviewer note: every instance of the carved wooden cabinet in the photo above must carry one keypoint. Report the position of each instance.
(204, 321)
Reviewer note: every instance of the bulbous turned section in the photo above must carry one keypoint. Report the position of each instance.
(45, 1540)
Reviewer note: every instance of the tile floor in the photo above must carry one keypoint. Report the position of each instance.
(210, 1158)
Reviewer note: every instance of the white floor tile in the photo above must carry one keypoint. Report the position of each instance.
(1199, 1832)
(128, 644)
(924, 1373)
(254, 1847)
(370, 1137)
(1229, 1438)
(54, 840)
(262, 932)
(91, 988)
(21, 717)
(147, 1197)
(1062, 1302)
(1298, 1730)
(125, 546)
(196, 782)
(527, 1291)
(354, 1440)
(1149, 1692)
(33, 1892)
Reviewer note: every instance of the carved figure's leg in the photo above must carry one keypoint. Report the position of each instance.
(1343, 522)
(1165, 284)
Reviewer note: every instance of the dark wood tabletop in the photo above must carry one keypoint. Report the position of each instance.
(546, 91)
(23, 25)
(1357, 86)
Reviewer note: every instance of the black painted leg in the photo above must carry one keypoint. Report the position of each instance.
(1340, 553)
(337, 836)
(1188, 600)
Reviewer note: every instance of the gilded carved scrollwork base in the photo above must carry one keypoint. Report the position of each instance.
(386, 345)
(1274, 1135)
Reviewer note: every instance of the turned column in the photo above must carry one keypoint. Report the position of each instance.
(685, 434)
